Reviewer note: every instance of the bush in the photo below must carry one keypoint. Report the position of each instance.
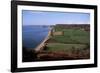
(28, 56)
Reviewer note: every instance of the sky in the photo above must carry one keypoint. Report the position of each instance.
(30, 17)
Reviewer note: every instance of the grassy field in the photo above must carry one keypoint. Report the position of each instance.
(73, 36)
(72, 39)
(65, 47)
(70, 44)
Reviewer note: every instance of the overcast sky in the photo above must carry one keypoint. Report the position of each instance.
(51, 18)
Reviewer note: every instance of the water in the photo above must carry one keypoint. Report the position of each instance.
(33, 35)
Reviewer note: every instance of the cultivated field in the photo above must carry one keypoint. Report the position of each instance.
(66, 42)
(73, 44)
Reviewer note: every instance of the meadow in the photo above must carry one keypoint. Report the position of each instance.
(73, 38)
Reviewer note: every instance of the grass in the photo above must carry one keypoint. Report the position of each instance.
(73, 36)
(64, 47)
(72, 45)
(76, 39)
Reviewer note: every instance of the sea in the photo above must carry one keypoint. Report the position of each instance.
(33, 35)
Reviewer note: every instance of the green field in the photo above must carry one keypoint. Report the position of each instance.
(72, 36)
(72, 39)
(65, 47)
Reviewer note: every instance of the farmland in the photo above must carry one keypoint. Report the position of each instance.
(74, 43)
(66, 42)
